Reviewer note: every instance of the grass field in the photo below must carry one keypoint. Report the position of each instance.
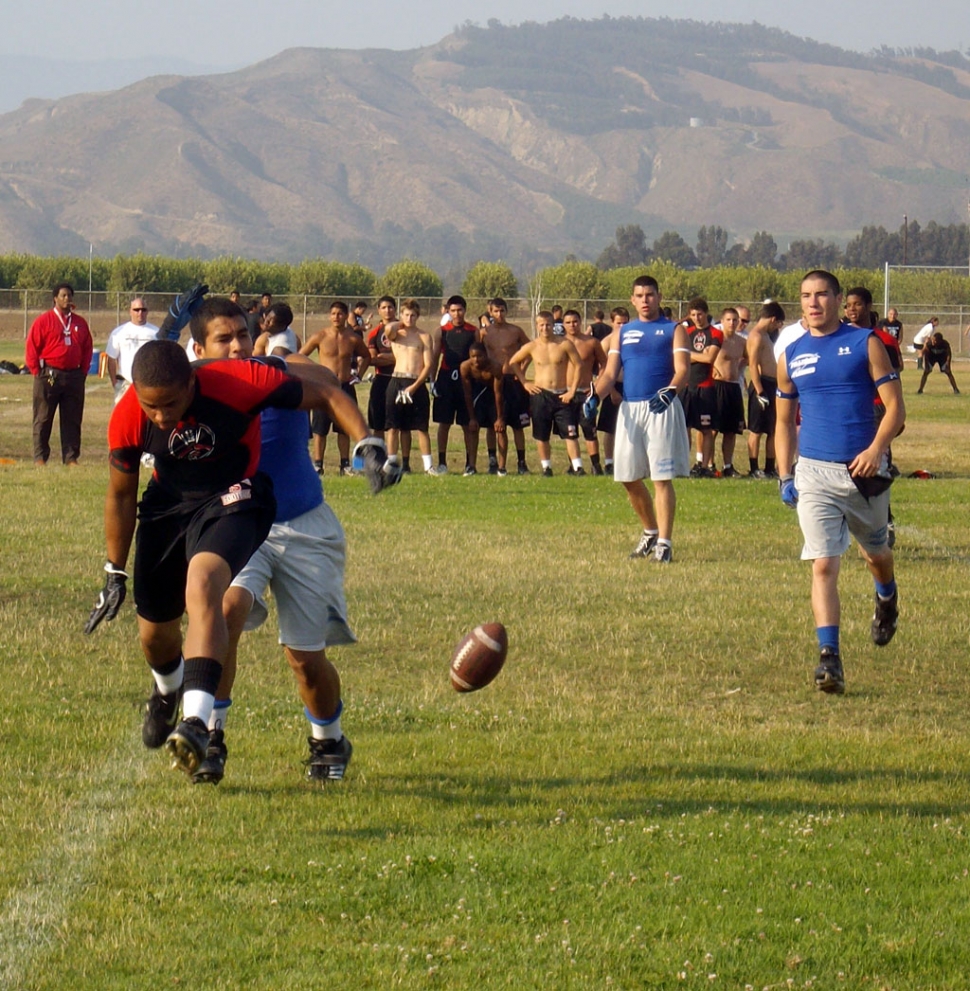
(651, 795)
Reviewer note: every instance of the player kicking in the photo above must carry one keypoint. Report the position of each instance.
(302, 561)
(205, 511)
(651, 433)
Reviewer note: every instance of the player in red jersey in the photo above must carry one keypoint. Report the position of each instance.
(204, 512)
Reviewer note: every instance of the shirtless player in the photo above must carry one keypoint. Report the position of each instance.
(551, 401)
(338, 346)
(762, 386)
(408, 407)
(592, 358)
(502, 340)
(728, 399)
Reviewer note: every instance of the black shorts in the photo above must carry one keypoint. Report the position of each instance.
(548, 409)
(762, 421)
(729, 408)
(320, 422)
(449, 403)
(516, 401)
(609, 411)
(407, 416)
(376, 412)
(483, 402)
(232, 525)
(700, 407)
(940, 361)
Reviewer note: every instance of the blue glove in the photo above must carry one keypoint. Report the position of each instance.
(180, 312)
(591, 406)
(661, 399)
(789, 494)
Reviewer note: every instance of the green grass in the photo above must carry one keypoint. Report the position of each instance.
(650, 793)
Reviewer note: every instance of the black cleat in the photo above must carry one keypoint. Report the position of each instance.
(597, 469)
(161, 715)
(663, 554)
(828, 674)
(645, 548)
(730, 472)
(523, 469)
(328, 759)
(547, 473)
(188, 744)
(884, 619)
(213, 766)
(576, 471)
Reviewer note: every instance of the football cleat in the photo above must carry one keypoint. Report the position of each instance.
(318, 467)
(730, 472)
(576, 471)
(328, 759)
(187, 744)
(161, 715)
(758, 473)
(646, 545)
(663, 554)
(884, 619)
(501, 472)
(597, 469)
(492, 466)
(469, 470)
(828, 674)
(523, 469)
(213, 765)
(441, 470)
(547, 473)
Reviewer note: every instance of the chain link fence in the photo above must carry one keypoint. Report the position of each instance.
(106, 310)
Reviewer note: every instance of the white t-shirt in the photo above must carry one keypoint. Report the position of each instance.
(124, 342)
(923, 335)
(284, 339)
(788, 334)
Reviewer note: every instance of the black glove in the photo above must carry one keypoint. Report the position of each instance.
(180, 312)
(370, 457)
(110, 599)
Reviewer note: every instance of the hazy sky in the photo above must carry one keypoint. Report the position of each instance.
(239, 32)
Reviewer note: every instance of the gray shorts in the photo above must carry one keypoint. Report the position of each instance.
(302, 562)
(650, 445)
(830, 507)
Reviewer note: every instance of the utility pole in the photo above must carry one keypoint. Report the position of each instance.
(905, 237)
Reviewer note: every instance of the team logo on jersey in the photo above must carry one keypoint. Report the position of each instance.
(191, 441)
(699, 341)
(803, 364)
(845, 350)
(632, 336)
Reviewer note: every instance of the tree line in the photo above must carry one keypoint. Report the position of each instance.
(912, 244)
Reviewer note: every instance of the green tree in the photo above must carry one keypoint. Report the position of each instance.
(762, 250)
(804, 255)
(409, 278)
(484, 280)
(712, 245)
(671, 247)
(570, 282)
(629, 247)
(316, 277)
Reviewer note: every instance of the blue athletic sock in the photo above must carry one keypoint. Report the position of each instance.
(325, 729)
(886, 591)
(828, 636)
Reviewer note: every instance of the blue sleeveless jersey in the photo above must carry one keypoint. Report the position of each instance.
(647, 356)
(284, 457)
(835, 390)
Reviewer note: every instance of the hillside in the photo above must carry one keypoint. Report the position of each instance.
(523, 143)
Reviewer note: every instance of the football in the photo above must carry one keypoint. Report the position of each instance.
(479, 657)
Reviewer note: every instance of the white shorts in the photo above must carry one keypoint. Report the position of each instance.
(302, 562)
(830, 507)
(650, 445)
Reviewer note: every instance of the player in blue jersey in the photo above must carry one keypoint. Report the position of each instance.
(302, 561)
(840, 485)
(651, 433)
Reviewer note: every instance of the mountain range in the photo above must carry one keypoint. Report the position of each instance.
(524, 143)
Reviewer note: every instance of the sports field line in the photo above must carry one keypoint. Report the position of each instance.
(31, 916)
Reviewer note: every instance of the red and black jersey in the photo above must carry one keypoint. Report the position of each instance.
(216, 443)
(455, 345)
(377, 345)
(701, 373)
(895, 353)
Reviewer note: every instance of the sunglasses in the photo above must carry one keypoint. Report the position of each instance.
(139, 309)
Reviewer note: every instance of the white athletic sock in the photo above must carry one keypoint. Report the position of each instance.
(699, 458)
(664, 542)
(197, 703)
(220, 710)
(651, 533)
(427, 462)
(577, 463)
(393, 459)
(546, 464)
(169, 683)
(608, 462)
(325, 729)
